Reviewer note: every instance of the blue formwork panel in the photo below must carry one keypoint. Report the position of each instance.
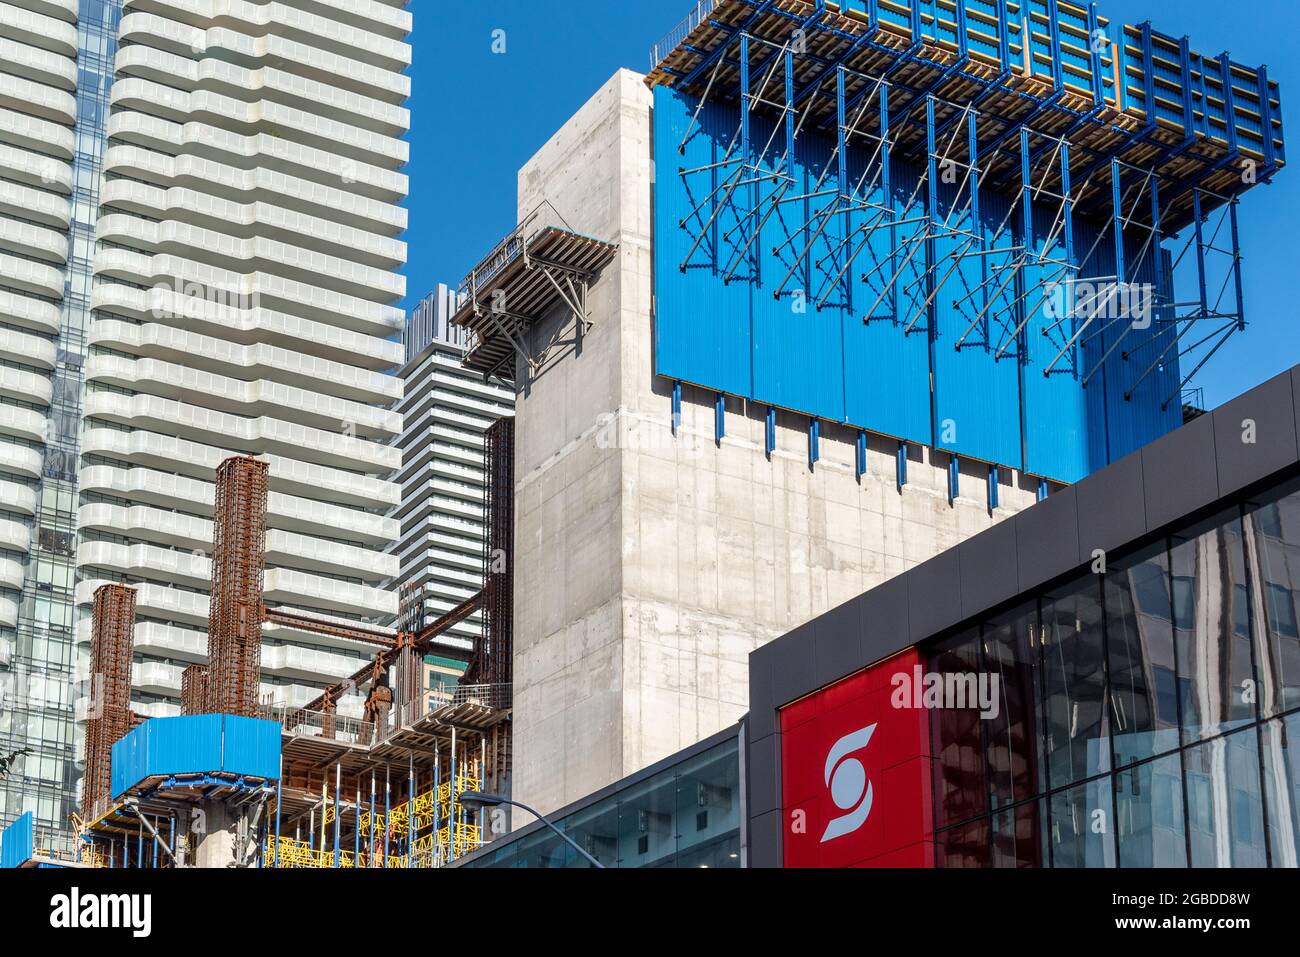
(18, 842)
(709, 340)
(792, 319)
(196, 744)
(252, 747)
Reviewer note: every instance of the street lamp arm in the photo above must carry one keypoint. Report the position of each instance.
(547, 821)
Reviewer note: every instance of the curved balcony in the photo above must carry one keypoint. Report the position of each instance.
(152, 600)
(280, 189)
(285, 586)
(241, 222)
(317, 375)
(41, 66)
(33, 133)
(287, 512)
(31, 240)
(25, 386)
(260, 398)
(21, 422)
(11, 574)
(19, 459)
(38, 30)
(27, 348)
(263, 116)
(146, 562)
(203, 139)
(15, 536)
(260, 435)
(291, 476)
(368, 44)
(9, 614)
(34, 169)
(31, 313)
(163, 305)
(38, 205)
(18, 498)
(262, 84)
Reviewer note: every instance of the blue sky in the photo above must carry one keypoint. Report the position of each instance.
(477, 116)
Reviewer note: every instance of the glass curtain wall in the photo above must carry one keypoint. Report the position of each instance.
(1149, 715)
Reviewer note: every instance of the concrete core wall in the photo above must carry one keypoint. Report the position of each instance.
(648, 565)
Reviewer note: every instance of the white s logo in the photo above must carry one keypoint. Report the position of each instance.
(847, 779)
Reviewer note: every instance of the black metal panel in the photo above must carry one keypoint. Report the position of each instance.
(1179, 473)
(1111, 507)
(1271, 410)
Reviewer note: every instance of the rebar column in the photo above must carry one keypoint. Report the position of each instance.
(112, 645)
(235, 610)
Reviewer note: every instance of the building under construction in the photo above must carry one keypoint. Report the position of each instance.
(236, 783)
(832, 289)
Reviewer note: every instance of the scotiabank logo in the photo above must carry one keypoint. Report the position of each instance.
(855, 775)
(847, 779)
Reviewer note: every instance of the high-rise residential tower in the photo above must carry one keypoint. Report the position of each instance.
(230, 287)
(445, 412)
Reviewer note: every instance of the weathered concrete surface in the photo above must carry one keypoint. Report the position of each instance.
(648, 565)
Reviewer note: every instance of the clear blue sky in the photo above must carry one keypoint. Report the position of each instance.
(477, 116)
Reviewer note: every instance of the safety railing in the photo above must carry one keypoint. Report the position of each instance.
(321, 724)
(673, 39)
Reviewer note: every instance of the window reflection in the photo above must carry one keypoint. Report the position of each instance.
(1140, 645)
(1075, 684)
(1281, 745)
(1213, 629)
(958, 747)
(1011, 653)
(1019, 836)
(1273, 544)
(1149, 814)
(1225, 819)
(687, 815)
(1082, 826)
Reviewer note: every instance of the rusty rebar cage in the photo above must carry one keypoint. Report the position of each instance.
(194, 689)
(492, 661)
(235, 610)
(112, 647)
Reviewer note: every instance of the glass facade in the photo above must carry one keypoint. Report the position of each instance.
(1149, 715)
(685, 815)
(39, 661)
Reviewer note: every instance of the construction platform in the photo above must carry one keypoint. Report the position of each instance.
(1111, 91)
(539, 265)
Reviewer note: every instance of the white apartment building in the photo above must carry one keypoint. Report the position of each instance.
(446, 410)
(244, 296)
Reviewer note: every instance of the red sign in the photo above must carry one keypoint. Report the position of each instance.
(855, 774)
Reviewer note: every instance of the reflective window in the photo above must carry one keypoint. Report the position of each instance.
(1273, 546)
(686, 815)
(1216, 671)
(1149, 814)
(1225, 810)
(1012, 735)
(1074, 681)
(1081, 831)
(1281, 745)
(960, 787)
(1019, 836)
(1140, 646)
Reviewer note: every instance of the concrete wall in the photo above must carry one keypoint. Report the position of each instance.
(649, 566)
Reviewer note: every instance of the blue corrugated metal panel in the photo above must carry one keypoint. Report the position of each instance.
(17, 843)
(252, 747)
(196, 744)
(798, 349)
(744, 318)
(703, 330)
(977, 391)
